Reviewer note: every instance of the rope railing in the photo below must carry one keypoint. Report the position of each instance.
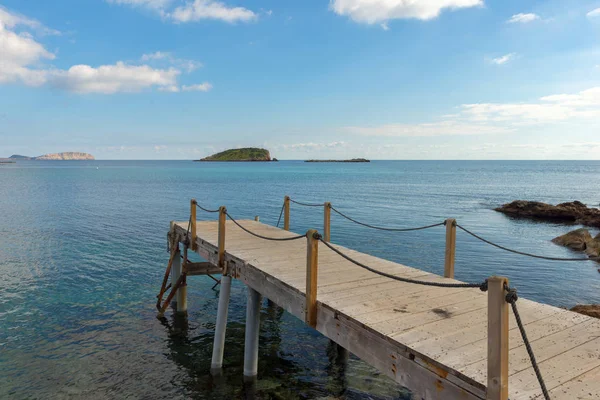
(384, 228)
(482, 285)
(511, 298)
(519, 252)
(261, 236)
(205, 209)
(306, 204)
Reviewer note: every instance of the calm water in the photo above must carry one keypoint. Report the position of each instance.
(83, 250)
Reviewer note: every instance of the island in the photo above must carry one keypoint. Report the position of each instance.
(243, 154)
(353, 160)
(65, 156)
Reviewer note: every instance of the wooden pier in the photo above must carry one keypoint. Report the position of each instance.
(439, 342)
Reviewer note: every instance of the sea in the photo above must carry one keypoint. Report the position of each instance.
(83, 248)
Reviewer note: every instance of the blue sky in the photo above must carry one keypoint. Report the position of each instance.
(180, 79)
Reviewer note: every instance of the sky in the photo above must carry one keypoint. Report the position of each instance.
(381, 79)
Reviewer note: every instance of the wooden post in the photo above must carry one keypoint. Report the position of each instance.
(182, 291)
(252, 329)
(222, 220)
(193, 223)
(286, 213)
(327, 222)
(221, 325)
(497, 384)
(450, 248)
(256, 218)
(175, 273)
(312, 259)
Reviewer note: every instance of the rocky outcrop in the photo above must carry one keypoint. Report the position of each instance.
(243, 154)
(66, 156)
(573, 212)
(591, 310)
(580, 240)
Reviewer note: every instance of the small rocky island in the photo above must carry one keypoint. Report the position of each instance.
(243, 154)
(574, 212)
(352, 160)
(65, 156)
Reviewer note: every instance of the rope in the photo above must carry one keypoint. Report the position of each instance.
(482, 286)
(520, 252)
(263, 237)
(383, 228)
(280, 214)
(205, 209)
(511, 298)
(306, 204)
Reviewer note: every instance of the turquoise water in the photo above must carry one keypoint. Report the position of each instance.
(83, 251)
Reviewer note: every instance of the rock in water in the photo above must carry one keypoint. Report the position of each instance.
(580, 240)
(572, 212)
(591, 310)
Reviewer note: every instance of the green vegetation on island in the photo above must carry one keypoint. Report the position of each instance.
(243, 154)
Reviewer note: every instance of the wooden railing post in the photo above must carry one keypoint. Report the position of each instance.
(193, 223)
(450, 248)
(222, 219)
(327, 222)
(257, 218)
(497, 374)
(312, 268)
(286, 213)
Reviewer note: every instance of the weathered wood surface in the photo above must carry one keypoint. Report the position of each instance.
(431, 340)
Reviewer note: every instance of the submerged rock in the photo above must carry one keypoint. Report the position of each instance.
(591, 310)
(580, 240)
(572, 212)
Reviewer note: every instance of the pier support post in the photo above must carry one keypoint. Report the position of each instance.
(327, 222)
(257, 218)
(221, 325)
(252, 330)
(221, 239)
(312, 268)
(193, 224)
(450, 248)
(497, 382)
(175, 273)
(286, 213)
(182, 291)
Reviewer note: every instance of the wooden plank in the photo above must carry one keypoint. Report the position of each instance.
(327, 222)
(583, 387)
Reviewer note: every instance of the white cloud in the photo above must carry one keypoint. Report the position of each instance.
(385, 26)
(109, 79)
(498, 118)
(165, 56)
(523, 18)
(153, 4)
(428, 129)
(594, 13)
(11, 20)
(377, 11)
(310, 146)
(22, 59)
(208, 9)
(200, 87)
(503, 59)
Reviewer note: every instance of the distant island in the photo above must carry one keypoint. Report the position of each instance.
(353, 160)
(66, 156)
(244, 154)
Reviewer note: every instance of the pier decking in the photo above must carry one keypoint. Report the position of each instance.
(432, 340)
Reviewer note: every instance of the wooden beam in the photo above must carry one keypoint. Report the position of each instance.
(193, 223)
(286, 213)
(327, 222)
(312, 267)
(450, 248)
(221, 240)
(497, 376)
(202, 268)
